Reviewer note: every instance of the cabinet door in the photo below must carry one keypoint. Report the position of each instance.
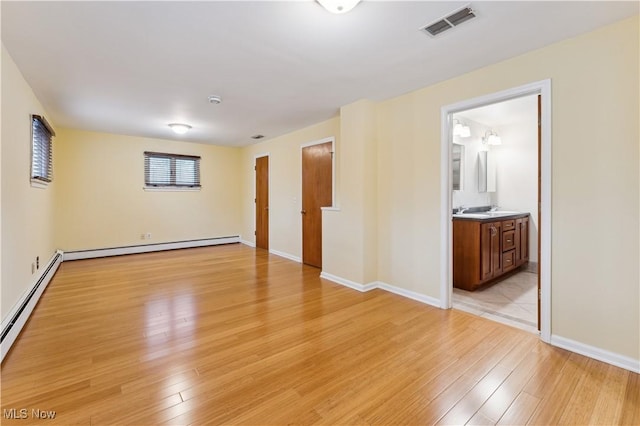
(523, 229)
(490, 253)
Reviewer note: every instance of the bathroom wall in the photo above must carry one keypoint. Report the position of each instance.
(469, 196)
(517, 173)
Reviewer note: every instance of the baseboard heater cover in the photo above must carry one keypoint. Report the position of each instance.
(148, 248)
(18, 318)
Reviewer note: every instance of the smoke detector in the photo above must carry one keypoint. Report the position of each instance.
(215, 99)
(452, 20)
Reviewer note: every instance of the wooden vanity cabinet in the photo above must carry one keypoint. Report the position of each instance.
(484, 250)
(490, 252)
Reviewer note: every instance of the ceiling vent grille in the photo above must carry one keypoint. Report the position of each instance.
(448, 22)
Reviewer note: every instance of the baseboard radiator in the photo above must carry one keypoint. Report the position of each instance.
(148, 248)
(18, 317)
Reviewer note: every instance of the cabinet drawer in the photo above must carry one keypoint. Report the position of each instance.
(508, 260)
(508, 225)
(508, 240)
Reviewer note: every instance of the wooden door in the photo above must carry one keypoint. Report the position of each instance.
(262, 202)
(317, 192)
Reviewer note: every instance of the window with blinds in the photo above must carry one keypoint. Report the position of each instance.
(163, 170)
(41, 150)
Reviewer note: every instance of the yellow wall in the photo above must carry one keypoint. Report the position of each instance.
(350, 232)
(27, 212)
(285, 186)
(100, 200)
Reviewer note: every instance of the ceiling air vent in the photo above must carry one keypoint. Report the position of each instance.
(257, 136)
(449, 22)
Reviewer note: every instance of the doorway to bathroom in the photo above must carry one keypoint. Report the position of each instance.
(498, 184)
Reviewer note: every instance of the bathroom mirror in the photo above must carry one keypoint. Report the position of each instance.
(457, 166)
(486, 172)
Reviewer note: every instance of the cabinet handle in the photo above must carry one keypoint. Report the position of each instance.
(508, 241)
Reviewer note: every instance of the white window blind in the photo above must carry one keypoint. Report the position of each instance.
(41, 149)
(171, 170)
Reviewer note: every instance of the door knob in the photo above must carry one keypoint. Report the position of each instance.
(303, 211)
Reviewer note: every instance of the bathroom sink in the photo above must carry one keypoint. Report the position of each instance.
(502, 212)
(473, 215)
(486, 215)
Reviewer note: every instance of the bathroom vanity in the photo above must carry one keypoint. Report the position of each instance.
(488, 245)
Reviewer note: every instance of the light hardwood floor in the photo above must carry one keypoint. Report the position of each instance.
(233, 335)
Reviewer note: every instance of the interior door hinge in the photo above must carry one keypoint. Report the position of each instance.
(255, 233)
(255, 200)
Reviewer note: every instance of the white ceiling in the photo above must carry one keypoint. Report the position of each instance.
(133, 67)
(513, 111)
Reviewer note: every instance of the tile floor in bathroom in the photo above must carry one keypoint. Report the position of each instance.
(512, 301)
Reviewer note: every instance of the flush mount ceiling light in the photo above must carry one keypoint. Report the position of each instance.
(491, 138)
(461, 129)
(179, 128)
(215, 99)
(338, 6)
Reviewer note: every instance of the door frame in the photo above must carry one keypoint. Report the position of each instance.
(255, 195)
(331, 139)
(542, 88)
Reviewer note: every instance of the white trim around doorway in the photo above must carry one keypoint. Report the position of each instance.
(542, 88)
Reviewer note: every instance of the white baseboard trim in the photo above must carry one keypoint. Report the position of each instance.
(348, 283)
(409, 294)
(286, 255)
(13, 323)
(247, 243)
(148, 248)
(603, 355)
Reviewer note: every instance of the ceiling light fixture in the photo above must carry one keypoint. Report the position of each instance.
(215, 99)
(461, 129)
(179, 128)
(491, 138)
(338, 6)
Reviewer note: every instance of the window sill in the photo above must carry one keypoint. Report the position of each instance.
(170, 189)
(39, 184)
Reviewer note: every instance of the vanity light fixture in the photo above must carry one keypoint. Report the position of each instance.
(338, 6)
(491, 138)
(179, 128)
(460, 129)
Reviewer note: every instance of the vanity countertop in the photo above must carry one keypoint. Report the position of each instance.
(489, 216)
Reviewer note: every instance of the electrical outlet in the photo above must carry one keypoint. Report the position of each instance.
(37, 262)
(143, 236)
(148, 235)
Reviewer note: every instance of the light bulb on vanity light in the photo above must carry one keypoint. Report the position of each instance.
(491, 138)
(460, 129)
